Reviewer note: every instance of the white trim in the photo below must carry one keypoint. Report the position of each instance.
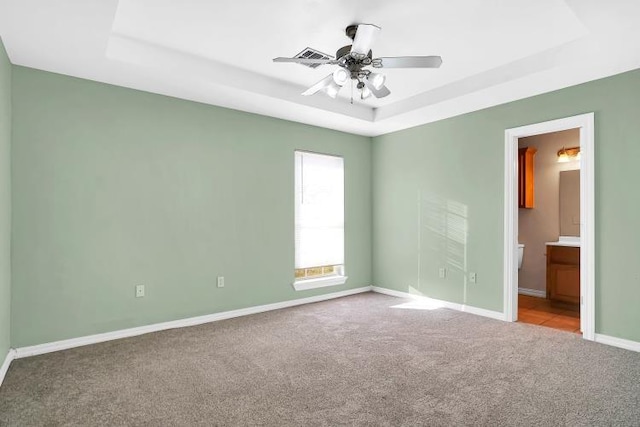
(585, 122)
(11, 354)
(510, 301)
(532, 292)
(587, 228)
(320, 282)
(618, 342)
(444, 304)
(192, 321)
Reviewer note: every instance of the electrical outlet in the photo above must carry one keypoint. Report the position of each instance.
(442, 272)
(221, 281)
(139, 291)
(473, 278)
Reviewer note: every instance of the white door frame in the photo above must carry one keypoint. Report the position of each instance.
(585, 122)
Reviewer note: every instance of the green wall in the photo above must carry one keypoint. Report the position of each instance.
(5, 202)
(437, 183)
(113, 187)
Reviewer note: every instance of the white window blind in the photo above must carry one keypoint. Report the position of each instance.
(319, 216)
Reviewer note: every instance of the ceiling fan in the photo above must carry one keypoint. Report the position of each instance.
(352, 60)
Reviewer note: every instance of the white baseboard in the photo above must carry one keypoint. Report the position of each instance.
(181, 323)
(445, 304)
(618, 342)
(5, 365)
(192, 321)
(532, 292)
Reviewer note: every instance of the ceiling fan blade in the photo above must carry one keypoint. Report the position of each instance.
(365, 35)
(306, 61)
(408, 62)
(378, 93)
(326, 82)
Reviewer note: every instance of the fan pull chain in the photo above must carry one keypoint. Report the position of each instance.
(351, 92)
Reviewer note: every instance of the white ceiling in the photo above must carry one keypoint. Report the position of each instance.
(219, 52)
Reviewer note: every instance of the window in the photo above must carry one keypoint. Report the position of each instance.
(319, 217)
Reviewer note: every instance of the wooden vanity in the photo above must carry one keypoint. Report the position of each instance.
(563, 275)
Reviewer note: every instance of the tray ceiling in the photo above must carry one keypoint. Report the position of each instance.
(220, 52)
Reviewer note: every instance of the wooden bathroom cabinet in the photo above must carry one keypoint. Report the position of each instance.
(563, 275)
(525, 177)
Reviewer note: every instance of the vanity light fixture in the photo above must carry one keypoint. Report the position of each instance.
(568, 154)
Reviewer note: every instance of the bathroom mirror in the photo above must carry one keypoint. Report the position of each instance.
(570, 203)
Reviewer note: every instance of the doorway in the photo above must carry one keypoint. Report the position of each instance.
(513, 199)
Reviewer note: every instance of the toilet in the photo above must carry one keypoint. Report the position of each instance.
(520, 254)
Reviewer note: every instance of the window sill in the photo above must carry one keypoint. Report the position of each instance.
(321, 282)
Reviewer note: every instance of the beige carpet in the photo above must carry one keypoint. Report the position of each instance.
(355, 361)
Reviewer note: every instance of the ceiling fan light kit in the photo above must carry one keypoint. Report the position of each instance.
(333, 89)
(377, 80)
(352, 60)
(341, 76)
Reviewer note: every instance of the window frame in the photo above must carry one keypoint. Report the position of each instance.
(320, 281)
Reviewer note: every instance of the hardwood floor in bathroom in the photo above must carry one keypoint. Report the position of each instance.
(539, 311)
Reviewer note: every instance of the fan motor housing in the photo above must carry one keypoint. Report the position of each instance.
(345, 50)
(353, 65)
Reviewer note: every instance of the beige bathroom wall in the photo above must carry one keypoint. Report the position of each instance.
(542, 223)
(570, 203)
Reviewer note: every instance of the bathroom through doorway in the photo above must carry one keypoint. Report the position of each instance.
(549, 230)
(549, 218)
